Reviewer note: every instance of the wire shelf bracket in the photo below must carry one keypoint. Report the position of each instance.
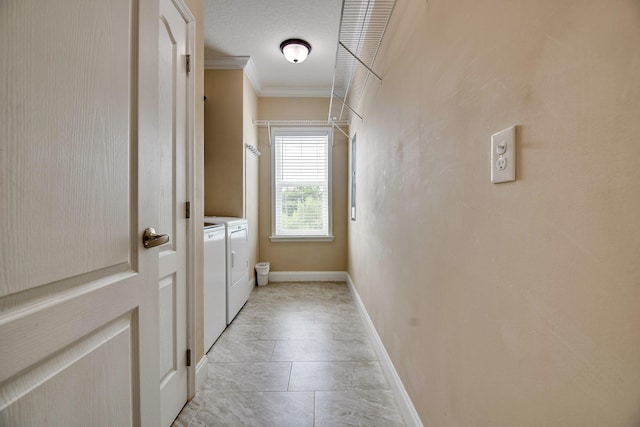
(335, 124)
(359, 60)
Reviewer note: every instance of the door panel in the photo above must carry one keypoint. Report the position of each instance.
(172, 147)
(78, 302)
(75, 309)
(65, 128)
(73, 375)
(168, 359)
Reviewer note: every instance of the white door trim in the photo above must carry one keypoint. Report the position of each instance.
(202, 371)
(193, 230)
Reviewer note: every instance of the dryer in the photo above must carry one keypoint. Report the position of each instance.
(237, 260)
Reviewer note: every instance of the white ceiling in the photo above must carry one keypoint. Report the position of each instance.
(255, 29)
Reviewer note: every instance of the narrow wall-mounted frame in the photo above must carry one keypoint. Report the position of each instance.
(353, 178)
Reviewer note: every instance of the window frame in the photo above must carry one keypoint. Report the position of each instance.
(328, 131)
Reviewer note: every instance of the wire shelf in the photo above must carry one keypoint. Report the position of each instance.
(362, 27)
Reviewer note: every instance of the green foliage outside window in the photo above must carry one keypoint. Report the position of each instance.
(302, 208)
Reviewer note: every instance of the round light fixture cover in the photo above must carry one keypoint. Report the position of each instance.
(295, 50)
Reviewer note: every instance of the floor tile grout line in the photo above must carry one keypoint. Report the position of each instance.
(314, 408)
(196, 411)
(232, 392)
(290, 371)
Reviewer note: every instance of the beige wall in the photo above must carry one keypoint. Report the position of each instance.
(308, 256)
(224, 145)
(514, 304)
(197, 9)
(231, 171)
(250, 114)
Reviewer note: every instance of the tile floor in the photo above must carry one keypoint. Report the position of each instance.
(296, 355)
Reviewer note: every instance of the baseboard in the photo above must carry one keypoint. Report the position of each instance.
(405, 405)
(307, 276)
(202, 372)
(252, 283)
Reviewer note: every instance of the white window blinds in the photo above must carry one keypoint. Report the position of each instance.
(302, 186)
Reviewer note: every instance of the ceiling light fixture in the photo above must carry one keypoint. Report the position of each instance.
(295, 50)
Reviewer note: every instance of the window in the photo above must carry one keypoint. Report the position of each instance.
(301, 184)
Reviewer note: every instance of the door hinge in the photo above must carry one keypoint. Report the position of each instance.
(189, 357)
(188, 63)
(187, 210)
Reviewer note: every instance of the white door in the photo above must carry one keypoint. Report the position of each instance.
(172, 146)
(78, 292)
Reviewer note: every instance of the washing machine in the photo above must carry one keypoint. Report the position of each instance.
(237, 259)
(215, 283)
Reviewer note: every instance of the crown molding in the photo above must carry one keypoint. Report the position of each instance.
(226, 62)
(245, 63)
(235, 63)
(252, 74)
(293, 92)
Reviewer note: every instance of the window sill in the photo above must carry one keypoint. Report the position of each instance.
(301, 238)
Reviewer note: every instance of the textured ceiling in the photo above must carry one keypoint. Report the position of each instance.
(255, 29)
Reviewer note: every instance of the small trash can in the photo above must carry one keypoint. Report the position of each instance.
(262, 268)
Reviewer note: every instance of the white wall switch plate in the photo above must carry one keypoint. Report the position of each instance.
(503, 156)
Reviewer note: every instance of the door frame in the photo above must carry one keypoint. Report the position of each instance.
(193, 230)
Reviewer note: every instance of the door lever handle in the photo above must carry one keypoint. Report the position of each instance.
(150, 239)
